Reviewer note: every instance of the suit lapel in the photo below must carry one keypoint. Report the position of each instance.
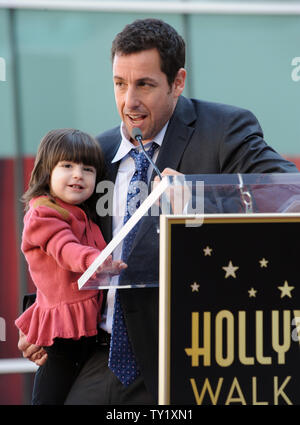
(107, 220)
(177, 136)
(113, 171)
(111, 174)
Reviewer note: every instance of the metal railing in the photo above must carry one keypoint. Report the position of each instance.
(17, 366)
(181, 7)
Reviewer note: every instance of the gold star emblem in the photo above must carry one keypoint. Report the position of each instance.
(195, 287)
(286, 290)
(207, 251)
(230, 270)
(263, 262)
(252, 293)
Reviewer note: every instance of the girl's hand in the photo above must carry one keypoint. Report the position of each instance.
(111, 267)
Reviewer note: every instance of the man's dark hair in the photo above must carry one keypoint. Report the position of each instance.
(146, 34)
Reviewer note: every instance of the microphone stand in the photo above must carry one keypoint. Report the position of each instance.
(139, 139)
(166, 207)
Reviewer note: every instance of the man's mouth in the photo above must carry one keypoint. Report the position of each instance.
(136, 118)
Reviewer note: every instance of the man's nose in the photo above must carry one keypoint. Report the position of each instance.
(132, 99)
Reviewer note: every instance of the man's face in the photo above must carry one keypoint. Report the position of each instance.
(143, 96)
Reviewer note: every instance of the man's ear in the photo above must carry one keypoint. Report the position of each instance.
(179, 82)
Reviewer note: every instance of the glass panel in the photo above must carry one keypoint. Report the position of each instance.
(7, 118)
(192, 197)
(65, 70)
(253, 62)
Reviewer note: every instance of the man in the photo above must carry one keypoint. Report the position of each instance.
(193, 137)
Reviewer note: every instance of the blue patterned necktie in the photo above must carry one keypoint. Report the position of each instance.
(121, 357)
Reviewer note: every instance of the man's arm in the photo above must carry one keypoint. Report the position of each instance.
(30, 351)
(243, 148)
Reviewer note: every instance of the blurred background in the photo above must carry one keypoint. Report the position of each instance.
(55, 71)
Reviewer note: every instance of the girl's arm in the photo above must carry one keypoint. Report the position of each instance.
(50, 230)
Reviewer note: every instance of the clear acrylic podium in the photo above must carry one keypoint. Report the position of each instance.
(194, 197)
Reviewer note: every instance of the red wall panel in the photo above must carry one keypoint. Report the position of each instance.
(10, 385)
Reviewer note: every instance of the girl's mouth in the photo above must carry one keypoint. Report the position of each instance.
(76, 186)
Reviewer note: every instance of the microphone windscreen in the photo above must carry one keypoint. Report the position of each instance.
(136, 132)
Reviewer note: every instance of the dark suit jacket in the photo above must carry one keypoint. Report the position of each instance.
(201, 138)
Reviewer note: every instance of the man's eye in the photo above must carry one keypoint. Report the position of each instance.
(145, 84)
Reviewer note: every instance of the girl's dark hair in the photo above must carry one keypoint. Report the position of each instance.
(65, 144)
(146, 34)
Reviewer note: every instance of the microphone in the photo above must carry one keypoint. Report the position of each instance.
(138, 136)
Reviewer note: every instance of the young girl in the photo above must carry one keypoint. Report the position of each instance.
(60, 241)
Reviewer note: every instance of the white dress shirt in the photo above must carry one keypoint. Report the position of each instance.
(125, 173)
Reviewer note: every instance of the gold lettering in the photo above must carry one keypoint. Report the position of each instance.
(260, 340)
(228, 317)
(235, 386)
(195, 351)
(235, 394)
(254, 393)
(242, 340)
(281, 349)
(279, 391)
(206, 387)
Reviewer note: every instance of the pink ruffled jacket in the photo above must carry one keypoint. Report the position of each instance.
(59, 243)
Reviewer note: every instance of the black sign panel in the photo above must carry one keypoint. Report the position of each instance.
(233, 312)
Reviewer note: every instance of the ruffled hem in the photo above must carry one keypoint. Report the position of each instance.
(42, 325)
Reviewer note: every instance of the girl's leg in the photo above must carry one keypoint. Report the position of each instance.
(54, 379)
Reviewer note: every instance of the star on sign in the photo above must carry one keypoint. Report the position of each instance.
(195, 287)
(263, 262)
(252, 293)
(230, 270)
(207, 251)
(286, 290)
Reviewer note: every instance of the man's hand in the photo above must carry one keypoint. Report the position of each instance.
(31, 352)
(168, 172)
(178, 195)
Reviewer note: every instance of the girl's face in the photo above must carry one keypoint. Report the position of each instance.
(71, 182)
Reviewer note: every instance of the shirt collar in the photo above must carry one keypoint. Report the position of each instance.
(126, 145)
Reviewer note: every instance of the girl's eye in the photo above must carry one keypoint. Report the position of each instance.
(90, 169)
